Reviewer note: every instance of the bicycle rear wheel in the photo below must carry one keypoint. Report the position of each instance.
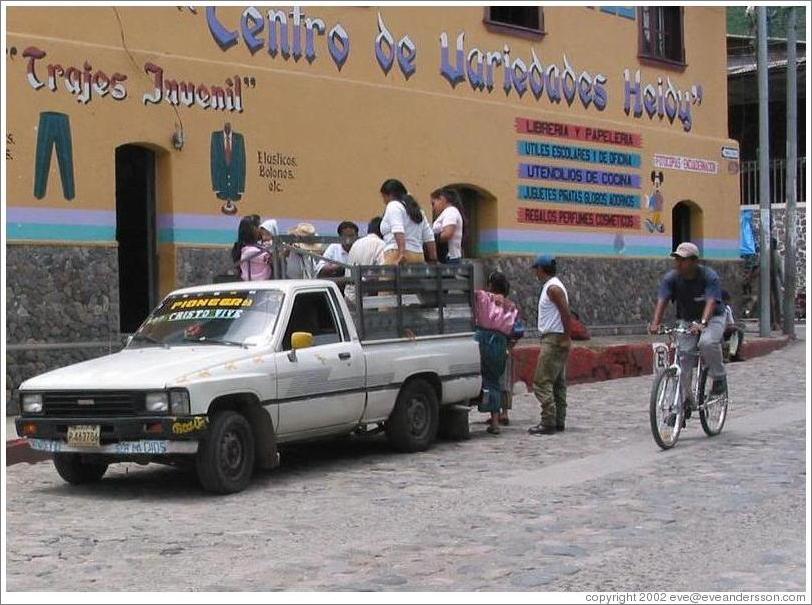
(665, 409)
(712, 410)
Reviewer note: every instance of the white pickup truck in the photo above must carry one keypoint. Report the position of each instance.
(219, 375)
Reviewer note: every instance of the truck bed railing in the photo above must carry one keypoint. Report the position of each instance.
(396, 301)
(402, 301)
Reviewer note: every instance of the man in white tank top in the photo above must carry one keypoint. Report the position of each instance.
(550, 382)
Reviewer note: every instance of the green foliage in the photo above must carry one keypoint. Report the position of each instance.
(739, 23)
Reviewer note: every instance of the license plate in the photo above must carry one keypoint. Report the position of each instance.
(84, 435)
(660, 356)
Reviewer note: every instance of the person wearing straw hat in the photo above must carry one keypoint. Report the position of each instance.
(302, 266)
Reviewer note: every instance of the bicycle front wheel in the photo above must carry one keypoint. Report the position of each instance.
(666, 412)
(712, 409)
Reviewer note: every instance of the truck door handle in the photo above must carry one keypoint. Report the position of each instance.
(344, 355)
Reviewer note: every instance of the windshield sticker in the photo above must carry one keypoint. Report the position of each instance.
(198, 315)
(192, 303)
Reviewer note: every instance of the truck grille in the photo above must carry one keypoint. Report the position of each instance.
(100, 403)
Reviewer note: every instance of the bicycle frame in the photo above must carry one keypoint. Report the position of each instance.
(673, 357)
(671, 409)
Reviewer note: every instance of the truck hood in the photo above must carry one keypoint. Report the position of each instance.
(143, 368)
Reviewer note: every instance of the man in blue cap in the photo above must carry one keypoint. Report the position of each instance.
(550, 381)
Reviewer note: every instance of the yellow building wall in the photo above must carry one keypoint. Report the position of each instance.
(348, 129)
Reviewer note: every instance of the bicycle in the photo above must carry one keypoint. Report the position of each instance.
(667, 410)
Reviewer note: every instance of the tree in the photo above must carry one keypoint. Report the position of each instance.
(739, 23)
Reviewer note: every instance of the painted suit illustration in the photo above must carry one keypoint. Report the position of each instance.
(228, 167)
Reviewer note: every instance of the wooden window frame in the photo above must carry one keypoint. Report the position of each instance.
(645, 57)
(498, 27)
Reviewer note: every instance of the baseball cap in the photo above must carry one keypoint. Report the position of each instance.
(544, 260)
(686, 250)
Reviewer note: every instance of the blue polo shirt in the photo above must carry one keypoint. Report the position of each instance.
(690, 295)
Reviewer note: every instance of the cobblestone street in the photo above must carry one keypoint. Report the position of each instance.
(598, 507)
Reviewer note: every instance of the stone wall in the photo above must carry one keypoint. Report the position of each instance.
(58, 294)
(604, 291)
(779, 231)
(198, 266)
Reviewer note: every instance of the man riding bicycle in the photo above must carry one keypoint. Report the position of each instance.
(696, 291)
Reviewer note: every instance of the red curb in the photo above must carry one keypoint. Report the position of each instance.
(618, 361)
(18, 450)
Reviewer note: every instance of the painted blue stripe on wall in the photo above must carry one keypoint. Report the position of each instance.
(576, 249)
(543, 247)
(72, 233)
(196, 236)
(721, 254)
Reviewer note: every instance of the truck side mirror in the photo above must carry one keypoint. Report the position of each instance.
(301, 340)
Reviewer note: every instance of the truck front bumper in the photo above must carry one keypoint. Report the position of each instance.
(122, 435)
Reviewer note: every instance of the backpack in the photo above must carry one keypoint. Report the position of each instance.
(578, 330)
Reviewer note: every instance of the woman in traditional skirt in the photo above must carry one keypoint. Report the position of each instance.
(493, 353)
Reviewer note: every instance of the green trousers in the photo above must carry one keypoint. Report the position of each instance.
(550, 381)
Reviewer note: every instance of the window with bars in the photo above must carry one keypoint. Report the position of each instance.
(527, 20)
(661, 34)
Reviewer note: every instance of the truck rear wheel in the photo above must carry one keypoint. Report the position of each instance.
(225, 459)
(76, 471)
(412, 427)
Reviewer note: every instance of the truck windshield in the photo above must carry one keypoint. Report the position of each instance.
(232, 318)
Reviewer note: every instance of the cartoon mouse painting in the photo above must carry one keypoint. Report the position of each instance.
(655, 203)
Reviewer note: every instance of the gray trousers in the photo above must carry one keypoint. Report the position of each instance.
(709, 344)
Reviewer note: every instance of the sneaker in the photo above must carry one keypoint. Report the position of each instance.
(540, 429)
(493, 429)
(719, 387)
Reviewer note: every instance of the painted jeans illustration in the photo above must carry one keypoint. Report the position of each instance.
(54, 131)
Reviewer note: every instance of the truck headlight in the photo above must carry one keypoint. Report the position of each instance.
(32, 403)
(179, 402)
(157, 402)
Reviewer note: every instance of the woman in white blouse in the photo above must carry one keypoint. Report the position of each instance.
(448, 225)
(404, 227)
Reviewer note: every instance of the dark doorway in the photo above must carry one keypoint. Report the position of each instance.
(470, 201)
(135, 233)
(681, 221)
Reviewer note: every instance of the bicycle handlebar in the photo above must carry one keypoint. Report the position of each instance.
(677, 330)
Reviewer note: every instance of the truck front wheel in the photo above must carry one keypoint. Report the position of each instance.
(76, 471)
(225, 459)
(412, 427)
